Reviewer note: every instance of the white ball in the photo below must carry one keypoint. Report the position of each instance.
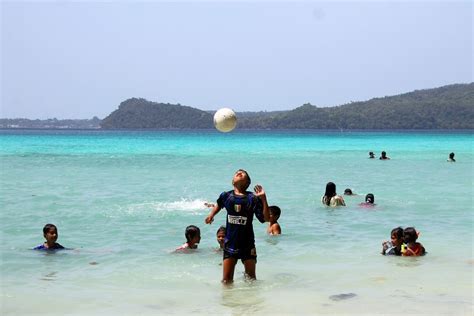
(225, 120)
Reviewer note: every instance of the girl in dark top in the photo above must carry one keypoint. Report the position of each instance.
(50, 233)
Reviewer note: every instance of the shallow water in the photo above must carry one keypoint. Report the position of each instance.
(123, 199)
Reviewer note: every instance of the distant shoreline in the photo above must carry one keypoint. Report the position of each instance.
(444, 131)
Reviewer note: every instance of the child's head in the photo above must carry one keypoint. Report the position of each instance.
(371, 154)
(369, 198)
(220, 234)
(347, 191)
(410, 235)
(193, 234)
(50, 233)
(274, 212)
(451, 155)
(241, 180)
(396, 236)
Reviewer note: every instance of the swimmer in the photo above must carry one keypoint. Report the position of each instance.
(193, 237)
(371, 155)
(273, 226)
(451, 158)
(394, 246)
(220, 235)
(330, 197)
(384, 156)
(369, 200)
(50, 233)
(348, 192)
(413, 248)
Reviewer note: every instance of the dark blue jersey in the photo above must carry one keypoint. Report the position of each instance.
(240, 210)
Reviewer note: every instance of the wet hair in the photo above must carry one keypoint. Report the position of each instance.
(348, 191)
(275, 210)
(248, 178)
(369, 198)
(409, 235)
(330, 192)
(220, 229)
(384, 153)
(397, 232)
(371, 154)
(47, 227)
(451, 155)
(191, 232)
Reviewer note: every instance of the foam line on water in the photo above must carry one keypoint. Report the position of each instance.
(195, 207)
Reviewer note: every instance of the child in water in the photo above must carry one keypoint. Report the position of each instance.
(369, 201)
(394, 246)
(241, 205)
(193, 237)
(273, 227)
(413, 248)
(220, 235)
(50, 233)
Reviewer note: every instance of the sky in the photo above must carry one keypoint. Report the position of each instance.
(79, 59)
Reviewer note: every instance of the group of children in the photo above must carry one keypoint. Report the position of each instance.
(332, 199)
(403, 243)
(192, 233)
(383, 155)
(237, 239)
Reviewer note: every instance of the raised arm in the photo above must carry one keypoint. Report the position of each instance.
(260, 193)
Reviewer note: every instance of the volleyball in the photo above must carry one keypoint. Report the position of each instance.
(225, 120)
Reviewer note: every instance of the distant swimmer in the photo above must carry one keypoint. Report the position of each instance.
(369, 201)
(193, 237)
(371, 155)
(50, 233)
(451, 158)
(330, 197)
(349, 192)
(384, 156)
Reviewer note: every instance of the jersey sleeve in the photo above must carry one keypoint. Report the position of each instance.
(258, 209)
(222, 198)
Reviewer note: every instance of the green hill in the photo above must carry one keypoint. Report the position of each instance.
(448, 107)
(140, 113)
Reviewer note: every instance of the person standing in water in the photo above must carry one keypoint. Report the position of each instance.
(241, 205)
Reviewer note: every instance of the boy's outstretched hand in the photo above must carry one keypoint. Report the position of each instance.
(259, 191)
(209, 219)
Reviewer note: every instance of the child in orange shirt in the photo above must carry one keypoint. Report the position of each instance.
(413, 248)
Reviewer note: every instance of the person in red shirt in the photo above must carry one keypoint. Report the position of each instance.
(413, 248)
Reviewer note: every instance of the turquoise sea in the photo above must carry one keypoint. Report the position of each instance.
(122, 199)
